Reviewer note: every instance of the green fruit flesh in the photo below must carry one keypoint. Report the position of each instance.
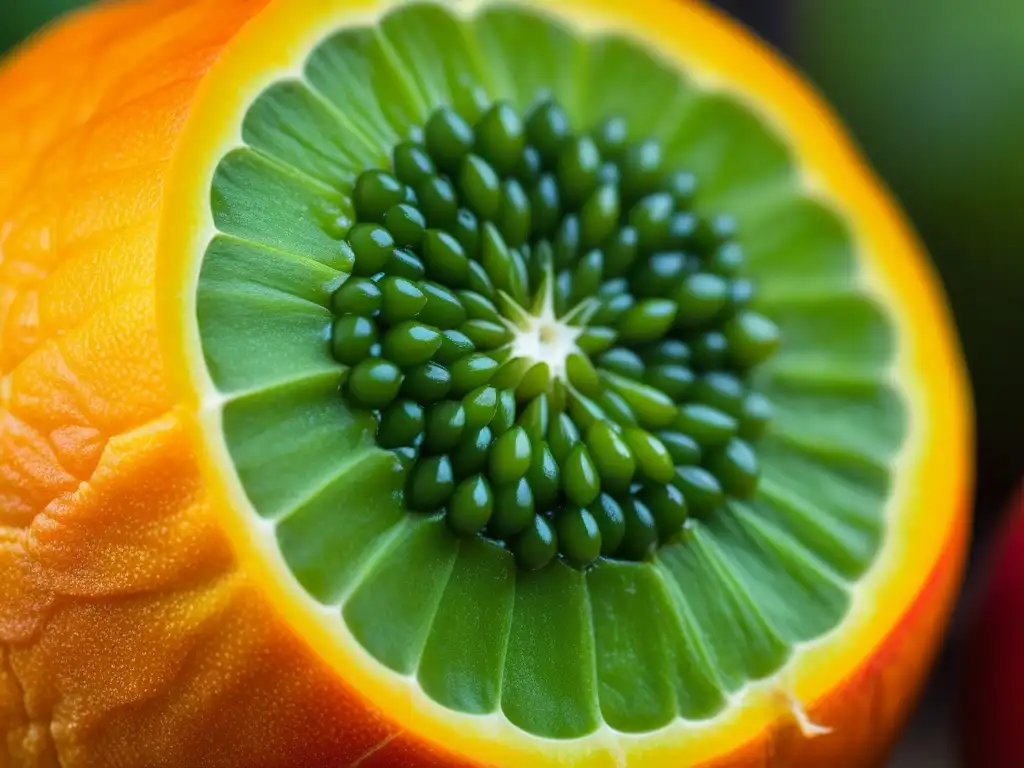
(580, 385)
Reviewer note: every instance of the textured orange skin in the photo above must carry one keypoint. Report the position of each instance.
(129, 635)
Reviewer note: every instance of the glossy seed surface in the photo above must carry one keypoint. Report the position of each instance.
(550, 336)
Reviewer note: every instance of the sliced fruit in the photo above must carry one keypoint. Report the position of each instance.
(516, 384)
(993, 669)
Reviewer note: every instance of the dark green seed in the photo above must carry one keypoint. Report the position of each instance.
(444, 258)
(617, 409)
(405, 264)
(641, 535)
(612, 137)
(668, 505)
(511, 373)
(682, 448)
(669, 351)
(401, 299)
(612, 309)
(406, 224)
(374, 383)
(755, 415)
(500, 136)
(446, 423)
(513, 510)
(708, 426)
(471, 372)
(506, 415)
(454, 346)
(438, 202)
(535, 382)
(722, 391)
(535, 419)
(674, 380)
(710, 350)
(652, 406)
(621, 251)
(431, 483)
(547, 128)
(410, 343)
(713, 232)
(352, 338)
(479, 281)
(622, 361)
(544, 475)
(442, 307)
(653, 458)
(736, 468)
(611, 521)
(647, 321)
(478, 307)
(427, 383)
(579, 476)
(727, 259)
(682, 185)
(702, 490)
(480, 187)
(567, 242)
(545, 203)
(611, 455)
(467, 232)
(480, 406)
(400, 424)
(578, 170)
(357, 296)
(514, 213)
(641, 170)
(682, 229)
(374, 193)
(518, 278)
(496, 257)
(650, 217)
(510, 456)
(471, 455)
(372, 245)
(530, 165)
(412, 163)
(449, 138)
(564, 436)
(587, 276)
(585, 411)
(700, 297)
(752, 339)
(579, 537)
(661, 271)
(537, 545)
(596, 339)
(582, 375)
(471, 506)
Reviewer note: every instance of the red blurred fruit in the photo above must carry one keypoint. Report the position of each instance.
(992, 718)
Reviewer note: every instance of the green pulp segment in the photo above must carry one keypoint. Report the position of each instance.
(558, 651)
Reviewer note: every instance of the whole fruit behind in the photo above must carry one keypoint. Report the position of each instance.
(992, 716)
(932, 89)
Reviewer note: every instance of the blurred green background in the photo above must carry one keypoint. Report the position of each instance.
(932, 91)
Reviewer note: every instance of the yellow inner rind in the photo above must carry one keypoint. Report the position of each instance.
(931, 473)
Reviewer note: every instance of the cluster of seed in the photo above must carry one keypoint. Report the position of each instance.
(475, 233)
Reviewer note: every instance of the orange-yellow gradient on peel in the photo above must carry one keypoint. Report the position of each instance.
(141, 622)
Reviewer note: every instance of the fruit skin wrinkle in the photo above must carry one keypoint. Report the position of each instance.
(143, 622)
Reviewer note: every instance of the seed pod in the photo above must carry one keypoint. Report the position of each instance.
(430, 484)
(449, 139)
(579, 537)
(401, 424)
(537, 545)
(375, 192)
(471, 506)
(352, 337)
(411, 343)
(510, 456)
(356, 296)
(513, 509)
(579, 476)
(608, 515)
(702, 490)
